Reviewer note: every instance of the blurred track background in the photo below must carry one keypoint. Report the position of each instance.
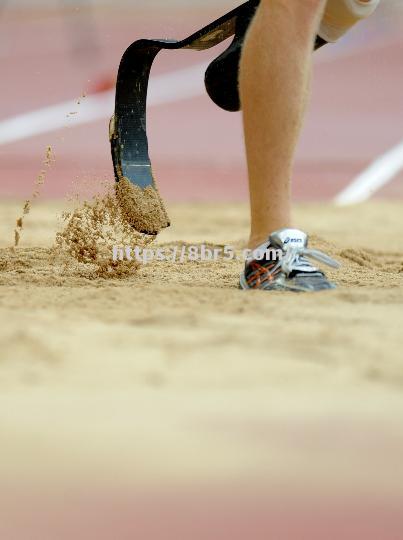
(52, 52)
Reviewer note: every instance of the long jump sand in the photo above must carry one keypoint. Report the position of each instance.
(171, 373)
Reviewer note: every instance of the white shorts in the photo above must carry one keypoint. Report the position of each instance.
(341, 15)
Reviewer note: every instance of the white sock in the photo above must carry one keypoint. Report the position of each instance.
(341, 15)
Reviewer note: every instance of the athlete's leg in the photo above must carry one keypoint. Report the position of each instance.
(274, 81)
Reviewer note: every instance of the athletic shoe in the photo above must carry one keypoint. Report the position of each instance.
(282, 263)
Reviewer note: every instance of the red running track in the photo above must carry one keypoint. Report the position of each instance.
(356, 112)
(198, 516)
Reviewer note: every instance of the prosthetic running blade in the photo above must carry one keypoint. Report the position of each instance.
(128, 126)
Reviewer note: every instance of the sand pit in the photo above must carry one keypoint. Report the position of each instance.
(169, 371)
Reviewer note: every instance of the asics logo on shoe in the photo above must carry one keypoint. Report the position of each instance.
(293, 241)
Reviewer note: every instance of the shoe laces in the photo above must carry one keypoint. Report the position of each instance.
(295, 257)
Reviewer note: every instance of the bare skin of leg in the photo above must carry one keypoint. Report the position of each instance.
(275, 77)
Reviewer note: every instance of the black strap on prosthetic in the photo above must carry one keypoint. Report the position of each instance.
(128, 130)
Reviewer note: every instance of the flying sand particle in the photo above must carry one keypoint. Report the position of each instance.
(91, 231)
(28, 203)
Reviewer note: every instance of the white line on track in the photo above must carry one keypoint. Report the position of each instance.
(168, 88)
(379, 173)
